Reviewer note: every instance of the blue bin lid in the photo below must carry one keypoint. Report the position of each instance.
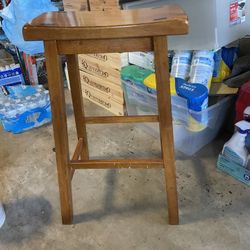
(195, 93)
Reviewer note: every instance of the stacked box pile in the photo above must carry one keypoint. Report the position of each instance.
(100, 74)
(93, 5)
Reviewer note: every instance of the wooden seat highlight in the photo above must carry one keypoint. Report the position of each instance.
(72, 33)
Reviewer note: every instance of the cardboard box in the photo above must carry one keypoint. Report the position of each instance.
(103, 5)
(238, 172)
(142, 59)
(93, 66)
(124, 59)
(35, 68)
(75, 5)
(104, 87)
(219, 88)
(95, 5)
(102, 100)
(112, 60)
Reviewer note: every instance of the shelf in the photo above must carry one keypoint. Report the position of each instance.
(222, 89)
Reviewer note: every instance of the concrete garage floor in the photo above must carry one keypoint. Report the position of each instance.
(122, 209)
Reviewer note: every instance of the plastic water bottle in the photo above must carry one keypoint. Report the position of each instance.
(2, 215)
(38, 100)
(247, 144)
(248, 162)
(47, 96)
(246, 114)
(11, 112)
(2, 101)
(8, 110)
(42, 99)
(25, 107)
(202, 67)
(181, 64)
(235, 150)
(2, 112)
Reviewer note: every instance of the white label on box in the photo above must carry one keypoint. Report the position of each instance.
(142, 59)
(124, 59)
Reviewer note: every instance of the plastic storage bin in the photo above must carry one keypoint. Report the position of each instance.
(210, 22)
(141, 102)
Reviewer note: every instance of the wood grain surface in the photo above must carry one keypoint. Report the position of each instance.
(164, 20)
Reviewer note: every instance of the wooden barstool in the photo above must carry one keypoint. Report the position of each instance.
(72, 33)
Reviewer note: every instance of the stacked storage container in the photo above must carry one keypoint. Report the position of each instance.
(141, 100)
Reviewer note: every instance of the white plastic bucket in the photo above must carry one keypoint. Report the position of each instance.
(2, 215)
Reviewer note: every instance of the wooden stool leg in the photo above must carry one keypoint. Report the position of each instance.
(59, 119)
(166, 127)
(76, 93)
